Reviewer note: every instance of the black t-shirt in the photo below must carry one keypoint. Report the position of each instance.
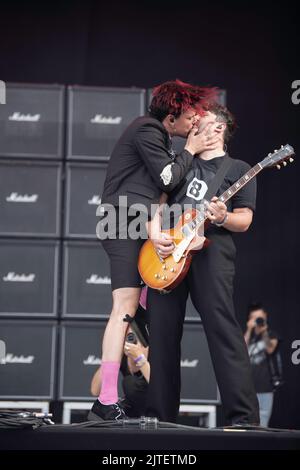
(260, 362)
(195, 185)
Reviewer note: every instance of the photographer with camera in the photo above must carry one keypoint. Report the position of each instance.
(135, 367)
(265, 360)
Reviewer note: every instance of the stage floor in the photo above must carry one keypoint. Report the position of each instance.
(76, 437)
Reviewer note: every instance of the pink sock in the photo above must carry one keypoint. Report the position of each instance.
(109, 388)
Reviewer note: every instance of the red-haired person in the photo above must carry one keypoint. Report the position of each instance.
(141, 167)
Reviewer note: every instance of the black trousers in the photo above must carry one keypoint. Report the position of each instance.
(210, 284)
(135, 390)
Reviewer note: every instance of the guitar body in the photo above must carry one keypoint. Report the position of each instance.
(166, 273)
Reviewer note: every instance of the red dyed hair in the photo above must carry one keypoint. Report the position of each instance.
(175, 97)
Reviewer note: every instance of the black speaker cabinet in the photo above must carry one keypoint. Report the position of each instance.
(30, 198)
(28, 278)
(80, 357)
(97, 117)
(191, 313)
(27, 369)
(86, 281)
(84, 187)
(197, 375)
(32, 121)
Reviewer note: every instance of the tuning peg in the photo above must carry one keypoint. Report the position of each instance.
(291, 160)
(278, 167)
(281, 147)
(275, 151)
(284, 163)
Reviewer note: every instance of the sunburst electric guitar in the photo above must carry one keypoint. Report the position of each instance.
(188, 235)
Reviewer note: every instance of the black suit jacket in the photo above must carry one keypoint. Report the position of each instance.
(143, 165)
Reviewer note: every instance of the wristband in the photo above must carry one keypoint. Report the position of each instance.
(137, 359)
(141, 363)
(220, 224)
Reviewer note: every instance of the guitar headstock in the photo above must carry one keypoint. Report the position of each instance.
(281, 156)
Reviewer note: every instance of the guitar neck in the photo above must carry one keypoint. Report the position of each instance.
(240, 183)
(229, 193)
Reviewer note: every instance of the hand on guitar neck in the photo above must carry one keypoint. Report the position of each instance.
(216, 211)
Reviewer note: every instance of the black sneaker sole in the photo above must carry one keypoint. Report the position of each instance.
(93, 417)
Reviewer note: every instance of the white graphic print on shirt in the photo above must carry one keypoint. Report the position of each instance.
(257, 352)
(196, 189)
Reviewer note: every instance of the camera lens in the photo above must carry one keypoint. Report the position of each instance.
(260, 321)
(131, 338)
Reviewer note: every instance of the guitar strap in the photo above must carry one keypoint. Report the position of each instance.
(213, 186)
(218, 179)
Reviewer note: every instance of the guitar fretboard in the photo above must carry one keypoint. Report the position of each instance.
(272, 159)
(199, 219)
(240, 183)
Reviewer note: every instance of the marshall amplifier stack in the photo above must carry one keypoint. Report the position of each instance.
(55, 143)
(32, 127)
(55, 287)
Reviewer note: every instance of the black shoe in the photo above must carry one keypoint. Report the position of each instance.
(106, 412)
